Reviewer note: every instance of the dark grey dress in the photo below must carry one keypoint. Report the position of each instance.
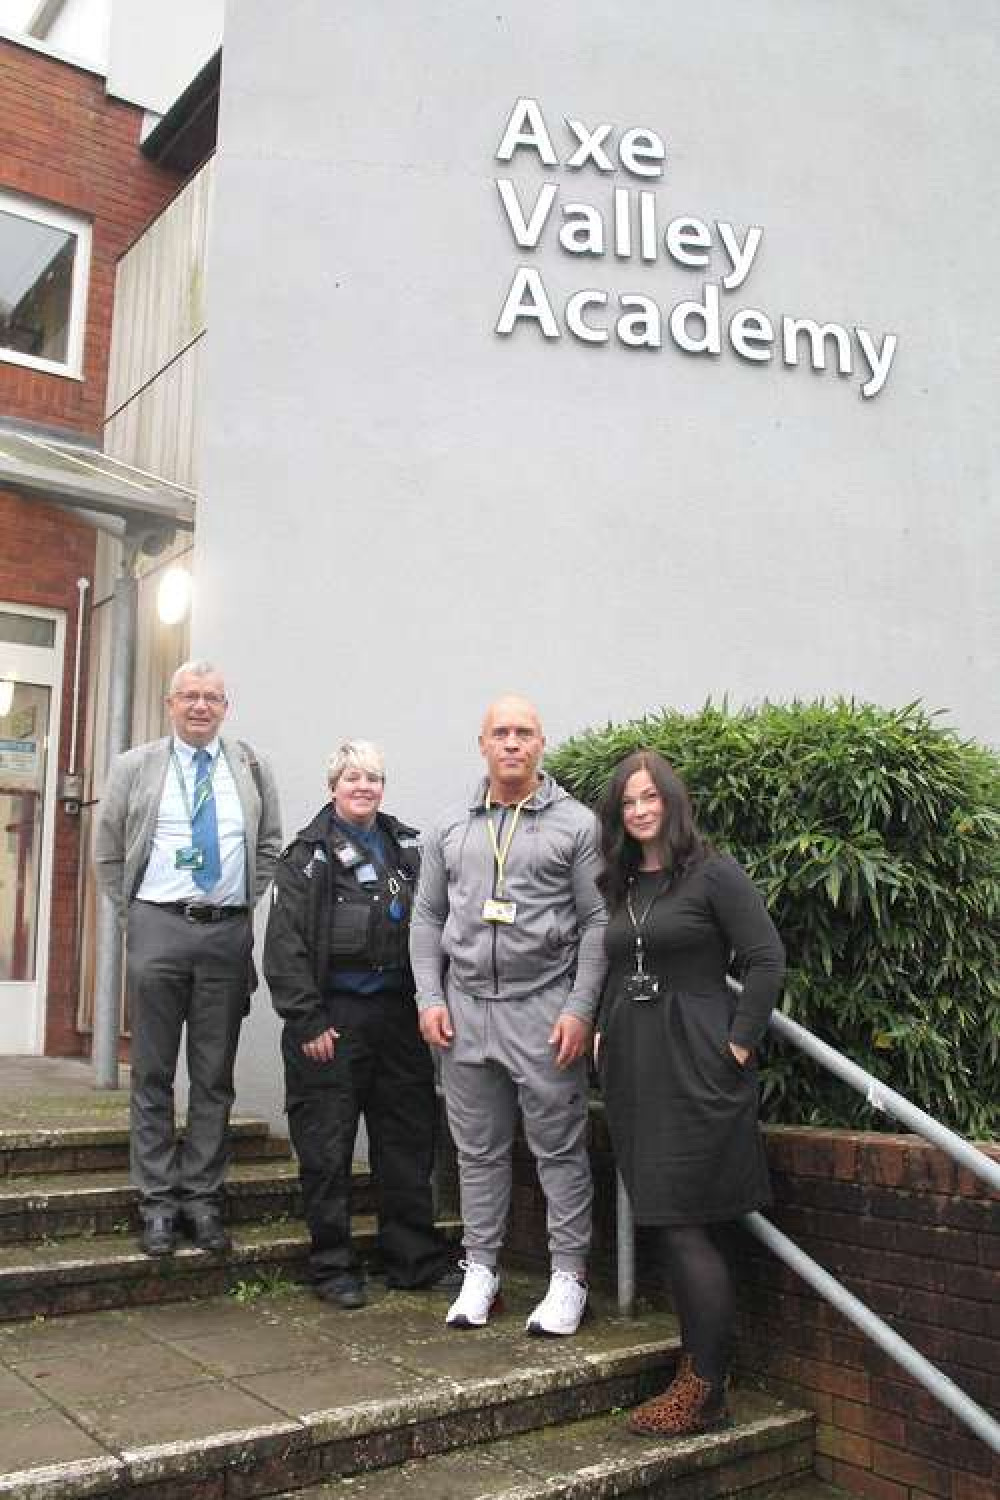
(681, 1110)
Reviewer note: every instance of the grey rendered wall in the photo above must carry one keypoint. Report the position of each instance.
(404, 513)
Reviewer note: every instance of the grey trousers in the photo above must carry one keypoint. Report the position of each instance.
(499, 1062)
(191, 974)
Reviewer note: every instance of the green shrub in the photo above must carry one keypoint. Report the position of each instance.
(872, 834)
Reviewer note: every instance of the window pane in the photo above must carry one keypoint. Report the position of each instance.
(26, 630)
(23, 737)
(36, 285)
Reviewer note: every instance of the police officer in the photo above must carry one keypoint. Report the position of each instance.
(336, 961)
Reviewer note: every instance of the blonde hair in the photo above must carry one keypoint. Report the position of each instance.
(362, 753)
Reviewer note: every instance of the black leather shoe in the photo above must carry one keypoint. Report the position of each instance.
(158, 1235)
(205, 1231)
(345, 1290)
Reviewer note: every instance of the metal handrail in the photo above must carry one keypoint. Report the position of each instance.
(880, 1097)
(927, 1374)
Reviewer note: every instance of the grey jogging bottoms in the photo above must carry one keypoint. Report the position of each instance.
(499, 1061)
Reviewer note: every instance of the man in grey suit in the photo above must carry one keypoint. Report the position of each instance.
(188, 836)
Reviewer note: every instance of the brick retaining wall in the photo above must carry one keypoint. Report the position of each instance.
(908, 1232)
(918, 1240)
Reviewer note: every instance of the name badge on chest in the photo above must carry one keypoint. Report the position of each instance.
(643, 988)
(500, 911)
(189, 858)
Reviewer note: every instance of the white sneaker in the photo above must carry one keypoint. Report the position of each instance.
(562, 1307)
(479, 1297)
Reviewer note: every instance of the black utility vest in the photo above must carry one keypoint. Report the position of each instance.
(364, 936)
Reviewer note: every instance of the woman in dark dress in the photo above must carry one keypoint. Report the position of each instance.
(675, 1055)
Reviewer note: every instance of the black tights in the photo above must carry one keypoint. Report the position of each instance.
(703, 1295)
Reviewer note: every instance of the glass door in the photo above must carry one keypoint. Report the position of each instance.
(31, 648)
(24, 738)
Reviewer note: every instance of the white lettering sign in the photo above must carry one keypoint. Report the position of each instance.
(629, 223)
(640, 151)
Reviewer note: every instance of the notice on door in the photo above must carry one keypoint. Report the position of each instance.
(19, 762)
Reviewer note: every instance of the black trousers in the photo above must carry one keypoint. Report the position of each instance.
(383, 1071)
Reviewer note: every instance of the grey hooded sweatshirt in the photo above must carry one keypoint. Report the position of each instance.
(550, 875)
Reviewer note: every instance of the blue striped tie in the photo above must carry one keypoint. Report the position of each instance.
(204, 824)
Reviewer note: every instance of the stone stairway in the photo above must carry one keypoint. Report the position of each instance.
(595, 1458)
(223, 1397)
(68, 1221)
(221, 1378)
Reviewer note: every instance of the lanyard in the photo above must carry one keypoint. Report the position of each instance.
(501, 850)
(638, 923)
(203, 789)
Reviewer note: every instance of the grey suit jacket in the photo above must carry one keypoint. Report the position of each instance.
(126, 822)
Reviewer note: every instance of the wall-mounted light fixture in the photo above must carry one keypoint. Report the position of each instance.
(173, 597)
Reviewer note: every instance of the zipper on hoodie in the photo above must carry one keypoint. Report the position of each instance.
(496, 896)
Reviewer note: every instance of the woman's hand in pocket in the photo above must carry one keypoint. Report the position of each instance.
(322, 1047)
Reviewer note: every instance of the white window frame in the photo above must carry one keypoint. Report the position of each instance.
(38, 212)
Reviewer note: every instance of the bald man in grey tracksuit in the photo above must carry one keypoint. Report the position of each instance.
(507, 947)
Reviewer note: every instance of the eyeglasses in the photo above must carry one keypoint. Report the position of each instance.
(189, 699)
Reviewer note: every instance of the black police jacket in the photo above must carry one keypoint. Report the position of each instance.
(323, 918)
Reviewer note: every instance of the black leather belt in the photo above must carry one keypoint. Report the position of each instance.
(197, 911)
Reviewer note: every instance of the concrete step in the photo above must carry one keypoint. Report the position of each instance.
(36, 1150)
(96, 1272)
(271, 1395)
(110, 1271)
(810, 1487)
(764, 1453)
(62, 1205)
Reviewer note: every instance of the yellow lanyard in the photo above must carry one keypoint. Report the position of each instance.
(501, 851)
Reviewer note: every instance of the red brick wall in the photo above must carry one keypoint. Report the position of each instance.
(916, 1239)
(43, 552)
(908, 1233)
(64, 141)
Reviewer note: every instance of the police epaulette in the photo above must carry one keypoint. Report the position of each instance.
(348, 855)
(317, 856)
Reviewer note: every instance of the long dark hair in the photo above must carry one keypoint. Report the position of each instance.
(681, 845)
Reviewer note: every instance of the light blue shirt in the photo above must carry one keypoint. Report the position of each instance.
(163, 882)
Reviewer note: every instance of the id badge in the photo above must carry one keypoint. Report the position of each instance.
(642, 988)
(499, 911)
(189, 858)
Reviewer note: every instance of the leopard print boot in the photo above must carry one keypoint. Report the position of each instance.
(688, 1405)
